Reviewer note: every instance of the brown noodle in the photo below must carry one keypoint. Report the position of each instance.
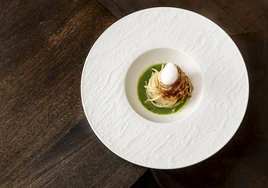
(168, 96)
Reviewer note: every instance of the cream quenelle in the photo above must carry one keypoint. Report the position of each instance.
(169, 74)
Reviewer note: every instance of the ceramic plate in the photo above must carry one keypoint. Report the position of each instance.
(207, 55)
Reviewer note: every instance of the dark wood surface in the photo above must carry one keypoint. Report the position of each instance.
(45, 140)
(43, 47)
(233, 16)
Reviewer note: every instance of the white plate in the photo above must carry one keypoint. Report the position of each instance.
(209, 120)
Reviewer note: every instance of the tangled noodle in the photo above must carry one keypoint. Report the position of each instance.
(168, 96)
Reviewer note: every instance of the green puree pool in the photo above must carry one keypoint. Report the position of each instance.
(145, 76)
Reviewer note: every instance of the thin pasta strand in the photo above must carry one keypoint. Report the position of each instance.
(163, 96)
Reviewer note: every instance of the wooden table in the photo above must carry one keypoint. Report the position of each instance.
(45, 139)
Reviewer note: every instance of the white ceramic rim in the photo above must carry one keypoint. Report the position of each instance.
(149, 160)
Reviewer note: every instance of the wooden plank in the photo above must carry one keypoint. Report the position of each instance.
(207, 8)
(146, 180)
(27, 27)
(79, 159)
(260, 24)
(42, 51)
(245, 12)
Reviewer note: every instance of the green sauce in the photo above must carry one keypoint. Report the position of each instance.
(145, 76)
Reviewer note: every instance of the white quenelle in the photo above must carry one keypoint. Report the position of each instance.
(169, 74)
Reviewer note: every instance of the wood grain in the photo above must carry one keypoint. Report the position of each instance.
(207, 8)
(260, 24)
(146, 180)
(245, 12)
(30, 25)
(79, 159)
(43, 48)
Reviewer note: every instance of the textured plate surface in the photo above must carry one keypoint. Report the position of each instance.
(165, 145)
